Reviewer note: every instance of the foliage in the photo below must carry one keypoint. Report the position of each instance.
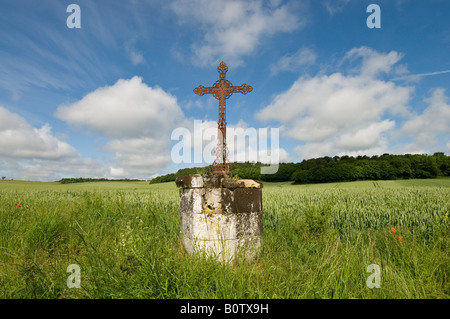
(87, 180)
(338, 169)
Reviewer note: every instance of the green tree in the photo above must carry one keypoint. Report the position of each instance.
(300, 176)
(443, 163)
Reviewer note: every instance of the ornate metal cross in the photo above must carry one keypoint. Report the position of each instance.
(222, 89)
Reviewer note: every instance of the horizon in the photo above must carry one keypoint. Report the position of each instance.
(232, 163)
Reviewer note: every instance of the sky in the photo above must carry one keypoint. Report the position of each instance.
(104, 99)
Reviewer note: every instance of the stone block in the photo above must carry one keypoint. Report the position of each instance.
(241, 183)
(225, 250)
(192, 200)
(221, 217)
(221, 226)
(189, 181)
(212, 181)
(212, 200)
(241, 200)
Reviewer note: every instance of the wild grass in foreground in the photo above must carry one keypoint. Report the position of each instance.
(318, 241)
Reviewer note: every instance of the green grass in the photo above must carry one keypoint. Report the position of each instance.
(317, 243)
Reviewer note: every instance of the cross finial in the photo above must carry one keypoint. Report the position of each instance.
(222, 89)
(222, 69)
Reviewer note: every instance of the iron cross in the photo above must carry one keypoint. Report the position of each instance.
(222, 89)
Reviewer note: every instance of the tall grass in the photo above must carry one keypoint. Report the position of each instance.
(317, 243)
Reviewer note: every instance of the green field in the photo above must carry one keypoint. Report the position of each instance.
(318, 241)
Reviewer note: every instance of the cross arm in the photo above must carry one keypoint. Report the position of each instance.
(244, 89)
(200, 90)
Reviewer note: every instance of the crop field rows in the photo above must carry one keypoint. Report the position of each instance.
(318, 241)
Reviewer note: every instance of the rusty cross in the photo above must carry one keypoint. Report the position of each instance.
(222, 89)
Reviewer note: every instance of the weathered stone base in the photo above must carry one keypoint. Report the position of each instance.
(225, 250)
(221, 217)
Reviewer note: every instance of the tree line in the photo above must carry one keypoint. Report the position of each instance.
(337, 169)
(83, 180)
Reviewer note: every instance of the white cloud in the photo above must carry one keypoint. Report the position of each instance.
(136, 57)
(314, 150)
(417, 77)
(251, 144)
(304, 56)
(129, 108)
(46, 170)
(317, 108)
(424, 128)
(136, 119)
(33, 153)
(233, 29)
(243, 143)
(139, 157)
(373, 62)
(435, 118)
(18, 139)
(363, 138)
(335, 6)
(342, 112)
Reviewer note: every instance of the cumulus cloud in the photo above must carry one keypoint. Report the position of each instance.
(18, 139)
(129, 108)
(136, 119)
(233, 29)
(364, 138)
(423, 129)
(52, 170)
(138, 157)
(198, 141)
(27, 152)
(254, 144)
(342, 113)
(373, 62)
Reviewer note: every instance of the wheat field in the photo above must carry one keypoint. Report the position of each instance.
(318, 241)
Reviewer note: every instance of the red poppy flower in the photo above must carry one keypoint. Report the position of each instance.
(393, 229)
(20, 204)
(400, 239)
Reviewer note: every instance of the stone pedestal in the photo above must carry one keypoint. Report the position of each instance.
(221, 217)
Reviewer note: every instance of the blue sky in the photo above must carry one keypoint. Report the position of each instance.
(103, 100)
